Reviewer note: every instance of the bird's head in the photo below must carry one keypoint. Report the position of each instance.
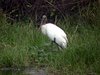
(44, 20)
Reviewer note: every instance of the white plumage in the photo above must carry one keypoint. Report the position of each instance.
(54, 33)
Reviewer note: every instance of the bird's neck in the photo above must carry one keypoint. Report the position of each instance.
(43, 21)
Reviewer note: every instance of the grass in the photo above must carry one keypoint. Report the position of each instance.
(21, 44)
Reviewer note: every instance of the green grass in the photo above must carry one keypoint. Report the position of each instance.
(21, 44)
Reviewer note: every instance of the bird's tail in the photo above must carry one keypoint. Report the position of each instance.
(65, 37)
(64, 44)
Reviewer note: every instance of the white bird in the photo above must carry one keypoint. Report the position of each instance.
(54, 33)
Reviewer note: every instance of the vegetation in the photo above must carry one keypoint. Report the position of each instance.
(17, 10)
(21, 45)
